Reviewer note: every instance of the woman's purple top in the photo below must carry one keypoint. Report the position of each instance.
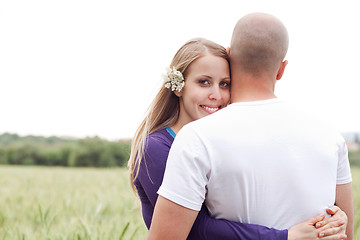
(150, 177)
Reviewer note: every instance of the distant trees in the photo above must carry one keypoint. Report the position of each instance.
(54, 151)
(87, 152)
(354, 158)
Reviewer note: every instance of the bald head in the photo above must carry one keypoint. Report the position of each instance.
(259, 44)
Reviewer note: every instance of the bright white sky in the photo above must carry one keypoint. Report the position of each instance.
(91, 67)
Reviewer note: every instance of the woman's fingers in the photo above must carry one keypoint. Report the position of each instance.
(335, 237)
(337, 214)
(329, 232)
(332, 210)
(328, 223)
(333, 228)
(316, 219)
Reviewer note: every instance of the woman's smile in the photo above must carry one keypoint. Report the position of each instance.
(210, 109)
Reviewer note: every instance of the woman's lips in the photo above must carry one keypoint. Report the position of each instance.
(210, 109)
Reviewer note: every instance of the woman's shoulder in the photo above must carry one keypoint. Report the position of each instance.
(160, 137)
(157, 147)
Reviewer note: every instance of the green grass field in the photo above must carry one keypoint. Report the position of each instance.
(68, 203)
(78, 203)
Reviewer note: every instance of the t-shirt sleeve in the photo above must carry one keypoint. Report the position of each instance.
(208, 228)
(187, 171)
(343, 172)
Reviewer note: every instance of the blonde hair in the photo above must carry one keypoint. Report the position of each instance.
(165, 108)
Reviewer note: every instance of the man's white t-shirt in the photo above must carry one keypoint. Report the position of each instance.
(261, 162)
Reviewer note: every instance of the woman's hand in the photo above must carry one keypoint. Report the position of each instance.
(327, 229)
(337, 215)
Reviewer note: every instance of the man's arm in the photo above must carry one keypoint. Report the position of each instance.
(344, 200)
(170, 220)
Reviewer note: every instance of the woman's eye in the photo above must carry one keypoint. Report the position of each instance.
(204, 82)
(225, 84)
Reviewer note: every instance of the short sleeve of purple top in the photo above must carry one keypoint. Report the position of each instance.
(150, 177)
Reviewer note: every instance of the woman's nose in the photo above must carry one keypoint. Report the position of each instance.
(215, 93)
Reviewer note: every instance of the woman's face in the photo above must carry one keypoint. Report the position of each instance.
(207, 88)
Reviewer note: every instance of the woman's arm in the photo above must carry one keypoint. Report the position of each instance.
(152, 167)
(207, 227)
(331, 228)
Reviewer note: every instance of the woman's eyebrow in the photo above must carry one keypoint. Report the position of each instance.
(204, 75)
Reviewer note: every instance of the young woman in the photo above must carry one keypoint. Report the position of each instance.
(196, 85)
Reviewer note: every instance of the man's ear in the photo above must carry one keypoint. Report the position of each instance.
(177, 93)
(281, 70)
(228, 51)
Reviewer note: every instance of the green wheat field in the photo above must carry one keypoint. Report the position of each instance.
(45, 203)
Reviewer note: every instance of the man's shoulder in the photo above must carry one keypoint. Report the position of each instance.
(310, 121)
(204, 128)
(212, 118)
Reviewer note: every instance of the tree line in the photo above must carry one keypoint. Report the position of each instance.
(87, 152)
(354, 158)
(55, 151)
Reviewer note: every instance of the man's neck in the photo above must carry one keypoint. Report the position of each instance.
(248, 89)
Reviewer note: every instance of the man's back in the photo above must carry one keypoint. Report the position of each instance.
(260, 162)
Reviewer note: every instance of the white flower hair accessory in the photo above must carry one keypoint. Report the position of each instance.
(173, 79)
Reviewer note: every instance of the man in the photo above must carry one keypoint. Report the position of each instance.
(259, 160)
